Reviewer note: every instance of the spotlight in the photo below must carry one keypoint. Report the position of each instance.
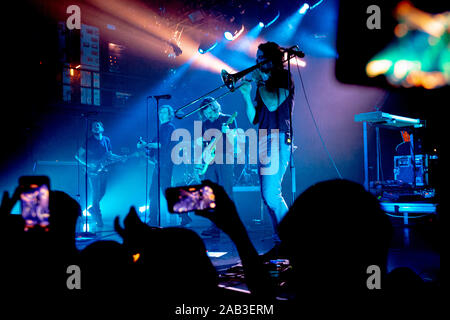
(206, 46)
(316, 4)
(304, 8)
(233, 35)
(267, 15)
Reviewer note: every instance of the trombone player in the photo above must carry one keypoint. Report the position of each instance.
(271, 109)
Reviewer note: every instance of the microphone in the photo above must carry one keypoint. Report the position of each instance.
(295, 51)
(162, 96)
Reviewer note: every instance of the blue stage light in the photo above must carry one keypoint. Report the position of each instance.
(267, 14)
(230, 36)
(206, 46)
(303, 8)
(266, 25)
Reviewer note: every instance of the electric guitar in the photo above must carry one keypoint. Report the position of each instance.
(209, 153)
(102, 166)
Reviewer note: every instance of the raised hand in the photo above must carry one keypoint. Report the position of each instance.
(8, 202)
(225, 215)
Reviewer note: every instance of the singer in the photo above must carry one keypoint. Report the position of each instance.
(271, 110)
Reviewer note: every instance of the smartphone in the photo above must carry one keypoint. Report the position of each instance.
(190, 198)
(34, 201)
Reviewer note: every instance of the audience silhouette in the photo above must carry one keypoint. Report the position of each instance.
(333, 236)
(36, 261)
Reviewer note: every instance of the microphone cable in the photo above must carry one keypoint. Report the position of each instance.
(315, 123)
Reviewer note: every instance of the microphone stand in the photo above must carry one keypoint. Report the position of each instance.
(158, 161)
(86, 233)
(291, 132)
(158, 167)
(146, 164)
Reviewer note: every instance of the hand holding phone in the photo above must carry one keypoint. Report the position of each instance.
(221, 211)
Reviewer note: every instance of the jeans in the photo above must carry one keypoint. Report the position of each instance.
(98, 189)
(274, 154)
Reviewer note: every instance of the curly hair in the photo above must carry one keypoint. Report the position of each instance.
(213, 104)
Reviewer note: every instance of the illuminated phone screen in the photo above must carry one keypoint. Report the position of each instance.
(35, 206)
(191, 199)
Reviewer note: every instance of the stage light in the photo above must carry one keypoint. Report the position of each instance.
(261, 24)
(136, 257)
(267, 15)
(304, 8)
(86, 227)
(269, 22)
(142, 209)
(233, 35)
(206, 46)
(315, 5)
(377, 67)
(86, 211)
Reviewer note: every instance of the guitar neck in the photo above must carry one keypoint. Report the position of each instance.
(231, 119)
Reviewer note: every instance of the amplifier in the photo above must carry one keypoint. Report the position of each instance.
(403, 169)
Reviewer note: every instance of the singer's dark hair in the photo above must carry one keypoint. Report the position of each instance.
(278, 75)
(273, 52)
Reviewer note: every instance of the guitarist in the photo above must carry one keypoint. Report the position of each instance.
(221, 174)
(98, 150)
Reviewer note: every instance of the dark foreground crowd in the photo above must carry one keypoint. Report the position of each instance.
(331, 236)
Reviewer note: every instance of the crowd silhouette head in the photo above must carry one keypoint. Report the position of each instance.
(333, 232)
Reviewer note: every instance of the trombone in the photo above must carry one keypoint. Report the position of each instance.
(229, 81)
